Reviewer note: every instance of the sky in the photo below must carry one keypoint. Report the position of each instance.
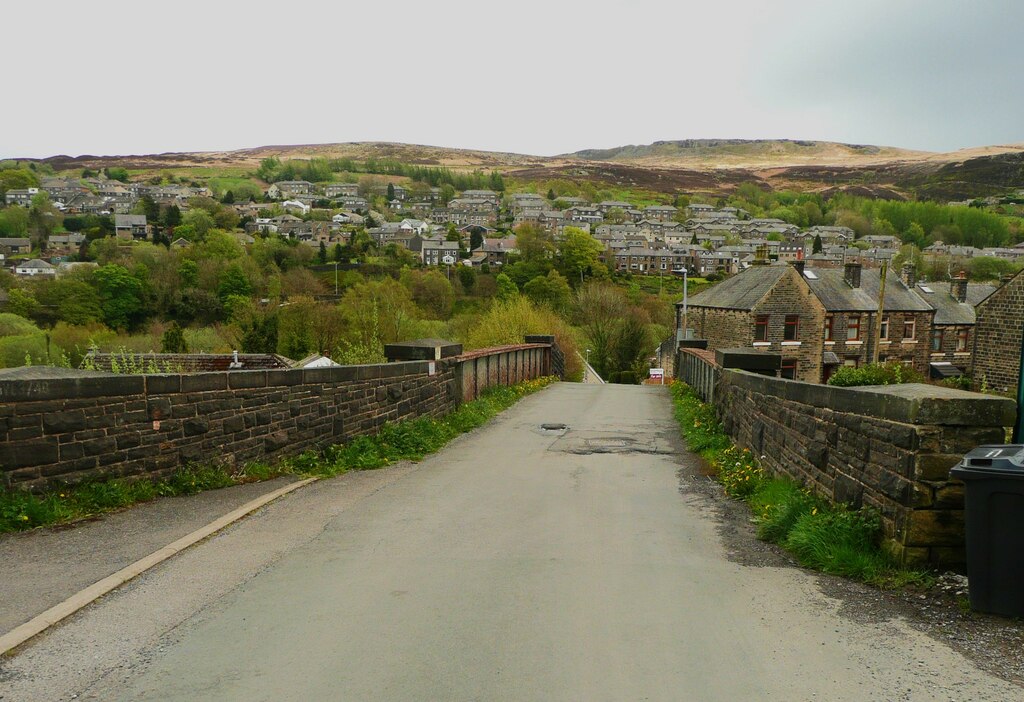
(110, 77)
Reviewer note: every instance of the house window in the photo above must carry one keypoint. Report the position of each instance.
(963, 336)
(792, 329)
(850, 361)
(885, 328)
(909, 328)
(761, 328)
(829, 323)
(788, 368)
(936, 340)
(853, 328)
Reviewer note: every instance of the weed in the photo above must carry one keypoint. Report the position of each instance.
(829, 538)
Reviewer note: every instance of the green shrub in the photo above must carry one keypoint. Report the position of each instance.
(889, 373)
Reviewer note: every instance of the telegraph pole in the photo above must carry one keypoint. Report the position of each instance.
(877, 331)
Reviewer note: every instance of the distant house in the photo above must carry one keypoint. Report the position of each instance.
(496, 250)
(662, 213)
(187, 362)
(290, 188)
(64, 244)
(11, 246)
(332, 190)
(35, 267)
(440, 253)
(20, 196)
(131, 226)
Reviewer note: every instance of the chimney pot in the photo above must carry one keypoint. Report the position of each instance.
(958, 287)
(909, 275)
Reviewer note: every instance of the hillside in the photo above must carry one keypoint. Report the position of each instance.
(707, 166)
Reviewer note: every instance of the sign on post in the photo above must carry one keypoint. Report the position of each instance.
(658, 374)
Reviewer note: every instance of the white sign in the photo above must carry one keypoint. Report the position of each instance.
(431, 368)
(657, 373)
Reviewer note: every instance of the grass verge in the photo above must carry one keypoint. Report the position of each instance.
(829, 538)
(408, 440)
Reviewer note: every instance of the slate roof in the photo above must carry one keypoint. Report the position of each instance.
(740, 292)
(947, 309)
(831, 288)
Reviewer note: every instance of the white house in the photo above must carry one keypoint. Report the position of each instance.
(35, 267)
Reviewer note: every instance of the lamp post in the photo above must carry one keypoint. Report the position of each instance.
(335, 278)
(588, 361)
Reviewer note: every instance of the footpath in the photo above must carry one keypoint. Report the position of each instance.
(41, 568)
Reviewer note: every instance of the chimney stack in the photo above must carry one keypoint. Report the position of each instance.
(958, 287)
(909, 275)
(761, 255)
(851, 274)
(799, 265)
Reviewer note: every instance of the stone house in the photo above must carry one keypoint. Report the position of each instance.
(661, 213)
(131, 226)
(767, 308)
(338, 189)
(998, 335)
(290, 188)
(440, 253)
(10, 246)
(20, 196)
(951, 344)
(581, 213)
(850, 296)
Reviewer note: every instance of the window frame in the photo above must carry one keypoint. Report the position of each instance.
(761, 323)
(938, 339)
(789, 364)
(909, 323)
(883, 334)
(963, 335)
(791, 322)
(852, 326)
(830, 323)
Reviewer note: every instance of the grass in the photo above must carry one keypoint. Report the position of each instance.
(408, 440)
(829, 538)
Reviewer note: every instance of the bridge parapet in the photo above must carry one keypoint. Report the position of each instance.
(60, 430)
(887, 447)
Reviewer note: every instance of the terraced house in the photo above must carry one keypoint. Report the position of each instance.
(817, 319)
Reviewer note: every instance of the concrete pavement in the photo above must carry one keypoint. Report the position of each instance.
(518, 564)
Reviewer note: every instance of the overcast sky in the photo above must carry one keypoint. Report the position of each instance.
(107, 77)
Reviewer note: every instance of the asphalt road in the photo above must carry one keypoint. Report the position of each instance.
(518, 564)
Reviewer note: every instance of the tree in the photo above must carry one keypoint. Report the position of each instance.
(229, 198)
(120, 295)
(120, 174)
(431, 292)
(817, 247)
(391, 192)
(172, 217)
(506, 288)
(551, 290)
(534, 243)
(22, 302)
(615, 215)
(199, 221)
(71, 300)
(321, 256)
(233, 282)
(579, 253)
(476, 239)
(598, 311)
(467, 278)
(149, 207)
(378, 311)
(338, 253)
(173, 340)
(551, 194)
(694, 241)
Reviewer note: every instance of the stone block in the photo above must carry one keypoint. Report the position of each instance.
(28, 453)
(934, 466)
(64, 421)
(204, 382)
(284, 377)
(163, 384)
(234, 424)
(950, 496)
(242, 379)
(158, 408)
(275, 441)
(935, 527)
(422, 350)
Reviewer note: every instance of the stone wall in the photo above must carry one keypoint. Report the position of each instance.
(997, 337)
(887, 447)
(64, 430)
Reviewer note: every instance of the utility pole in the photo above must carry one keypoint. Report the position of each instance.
(877, 331)
(335, 278)
(1018, 429)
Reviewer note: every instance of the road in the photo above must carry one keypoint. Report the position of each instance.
(518, 564)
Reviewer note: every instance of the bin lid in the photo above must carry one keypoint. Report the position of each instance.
(1006, 459)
